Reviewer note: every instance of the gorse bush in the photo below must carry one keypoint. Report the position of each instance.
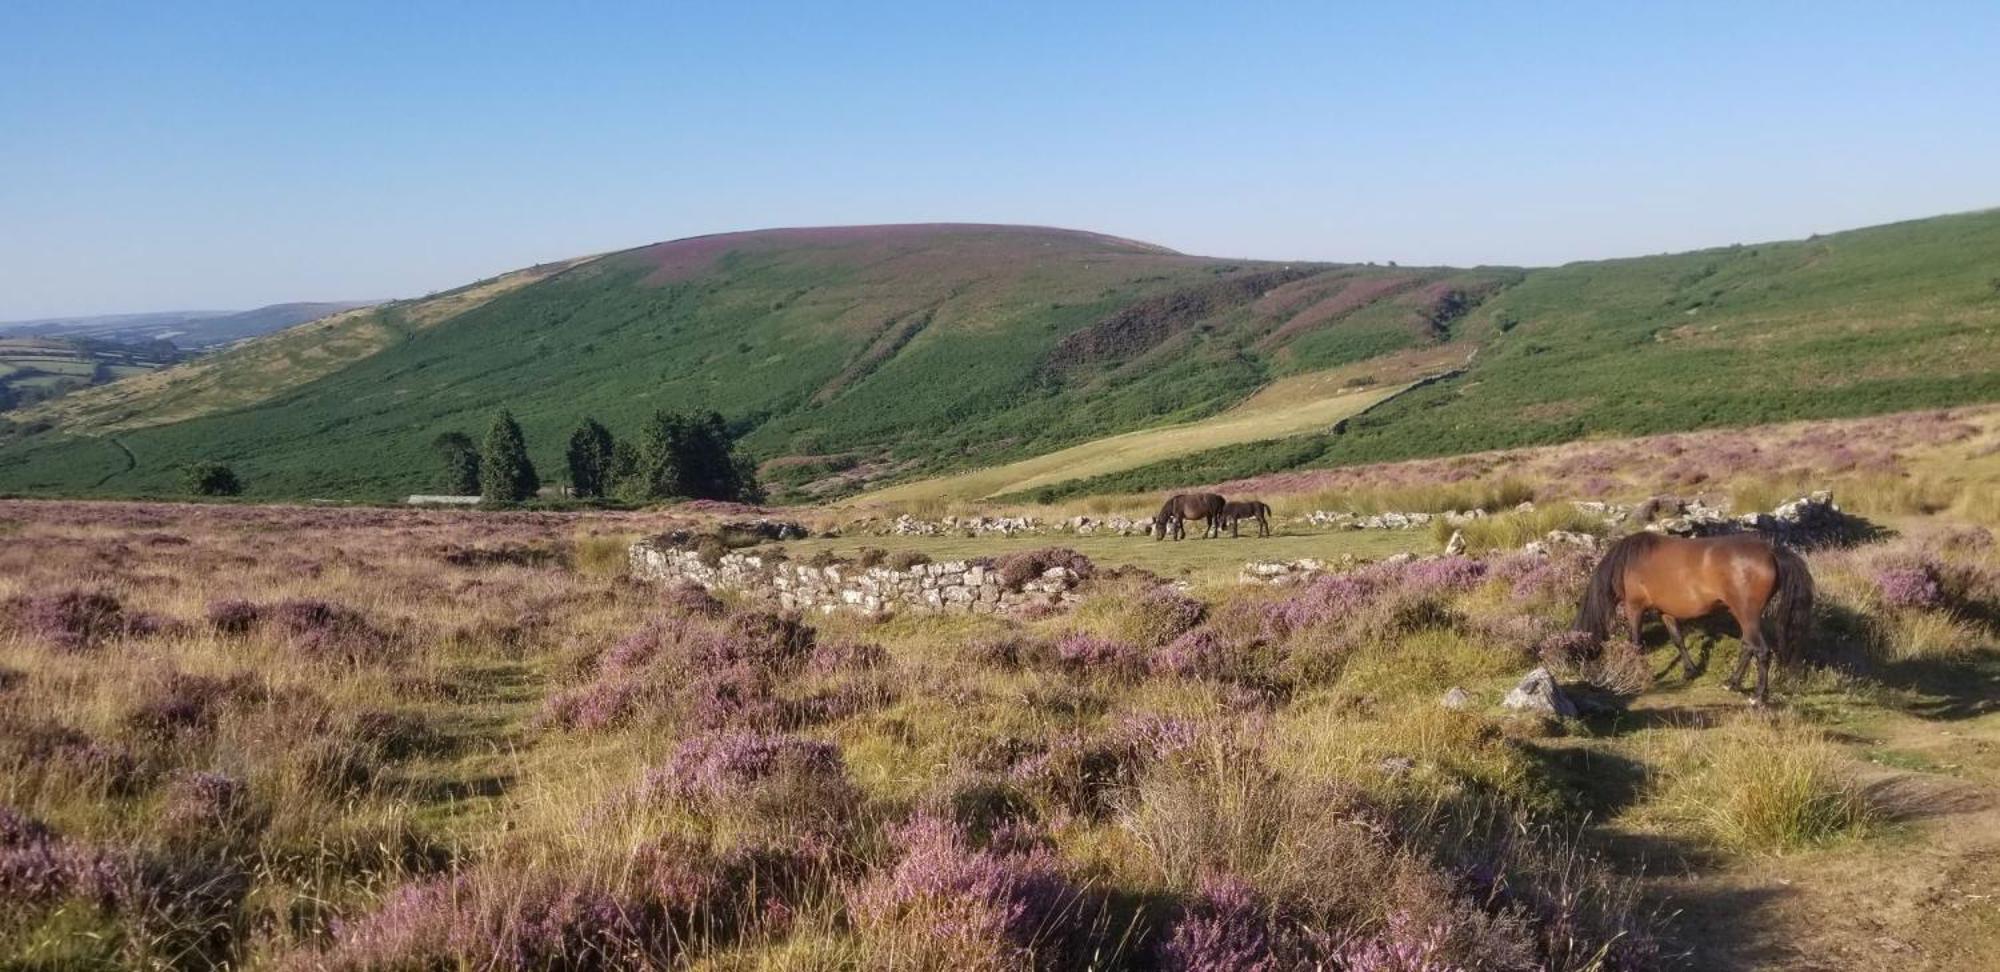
(210, 479)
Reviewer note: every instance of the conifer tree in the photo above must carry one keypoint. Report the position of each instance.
(505, 472)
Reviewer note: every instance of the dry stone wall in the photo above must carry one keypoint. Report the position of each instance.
(950, 586)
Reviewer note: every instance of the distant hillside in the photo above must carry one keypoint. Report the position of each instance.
(862, 355)
(188, 330)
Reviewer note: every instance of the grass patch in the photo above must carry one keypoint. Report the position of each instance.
(1763, 786)
(1511, 531)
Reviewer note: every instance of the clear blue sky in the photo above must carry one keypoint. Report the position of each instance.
(188, 155)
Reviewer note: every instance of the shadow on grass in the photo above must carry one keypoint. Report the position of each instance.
(1944, 689)
(1601, 784)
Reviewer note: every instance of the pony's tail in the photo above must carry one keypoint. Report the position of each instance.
(1795, 603)
(1606, 589)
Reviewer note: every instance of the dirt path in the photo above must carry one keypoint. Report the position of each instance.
(1925, 894)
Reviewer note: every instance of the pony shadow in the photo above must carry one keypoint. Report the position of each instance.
(1728, 928)
(1628, 721)
(1604, 783)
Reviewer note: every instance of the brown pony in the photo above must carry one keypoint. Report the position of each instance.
(1182, 507)
(1236, 511)
(1684, 579)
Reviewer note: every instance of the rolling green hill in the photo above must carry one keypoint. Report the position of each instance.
(873, 354)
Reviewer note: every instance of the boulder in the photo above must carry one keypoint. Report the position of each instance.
(1456, 545)
(1456, 699)
(1538, 692)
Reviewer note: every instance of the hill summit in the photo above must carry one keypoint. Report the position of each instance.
(849, 356)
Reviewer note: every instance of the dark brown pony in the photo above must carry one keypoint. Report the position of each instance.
(1684, 579)
(1183, 507)
(1236, 511)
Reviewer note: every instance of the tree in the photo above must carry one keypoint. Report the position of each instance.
(590, 459)
(505, 472)
(210, 479)
(688, 456)
(461, 463)
(658, 475)
(623, 479)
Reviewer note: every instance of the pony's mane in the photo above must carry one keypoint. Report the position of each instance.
(1606, 589)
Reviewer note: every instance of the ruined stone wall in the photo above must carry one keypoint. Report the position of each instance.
(957, 585)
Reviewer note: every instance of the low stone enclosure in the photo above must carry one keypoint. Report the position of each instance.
(981, 587)
(1674, 514)
(951, 586)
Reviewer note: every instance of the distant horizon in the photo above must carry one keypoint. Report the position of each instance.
(49, 318)
(240, 155)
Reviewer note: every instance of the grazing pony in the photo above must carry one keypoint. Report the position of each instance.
(1182, 507)
(1236, 511)
(1685, 578)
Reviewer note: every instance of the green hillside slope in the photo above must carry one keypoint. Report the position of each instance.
(907, 351)
(1875, 320)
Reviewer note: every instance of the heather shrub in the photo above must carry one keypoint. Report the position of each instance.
(776, 641)
(692, 600)
(515, 923)
(776, 784)
(233, 616)
(983, 806)
(715, 766)
(1149, 616)
(1909, 586)
(1077, 775)
(1227, 928)
(1010, 650)
(175, 701)
(70, 621)
(503, 555)
(844, 655)
(325, 631)
(906, 559)
(1082, 651)
(709, 674)
(206, 806)
(945, 904)
(1326, 863)
(36, 748)
(1620, 668)
(870, 557)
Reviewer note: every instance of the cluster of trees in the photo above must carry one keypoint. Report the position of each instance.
(676, 455)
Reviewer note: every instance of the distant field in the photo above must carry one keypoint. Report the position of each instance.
(33, 368)
(1304, 403)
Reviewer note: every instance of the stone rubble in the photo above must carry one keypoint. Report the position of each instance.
(1805, 521)
(1538, 692)
(953, 586)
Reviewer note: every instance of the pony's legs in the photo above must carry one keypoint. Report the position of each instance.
(1263, 525)
(1674, 631)
(1235, 528)
(1753, 643)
